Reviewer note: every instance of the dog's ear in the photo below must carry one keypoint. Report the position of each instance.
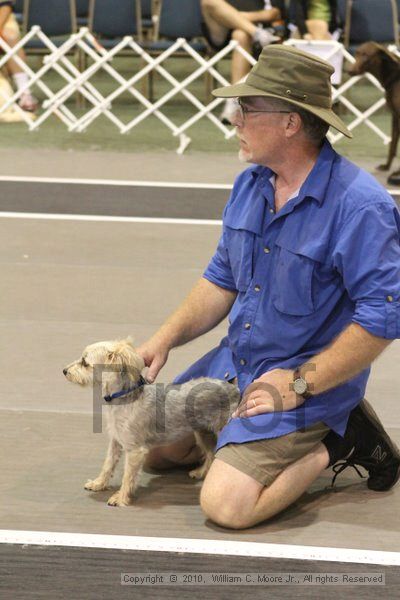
(124, 354)
(128, 340)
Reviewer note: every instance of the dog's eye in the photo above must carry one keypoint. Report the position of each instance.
(84, 363)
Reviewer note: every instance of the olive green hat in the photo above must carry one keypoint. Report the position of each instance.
(287, 73)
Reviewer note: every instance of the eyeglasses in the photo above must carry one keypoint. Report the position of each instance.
(244, 110)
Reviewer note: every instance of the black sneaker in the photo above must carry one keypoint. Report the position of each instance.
(372, 449)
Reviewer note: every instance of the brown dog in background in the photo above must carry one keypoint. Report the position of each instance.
(385, 66)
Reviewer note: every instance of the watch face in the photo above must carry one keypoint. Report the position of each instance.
(300, 386)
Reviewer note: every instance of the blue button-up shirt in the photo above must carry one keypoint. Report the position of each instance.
(330, 257)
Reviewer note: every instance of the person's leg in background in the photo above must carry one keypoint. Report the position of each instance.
(220, 15)
(318, 19)
(11, 35)
(240, 67)
(317, 30)
(221, 20)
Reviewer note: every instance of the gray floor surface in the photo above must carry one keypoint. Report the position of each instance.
(68, 283)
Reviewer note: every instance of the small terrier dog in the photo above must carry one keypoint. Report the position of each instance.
(141, 416)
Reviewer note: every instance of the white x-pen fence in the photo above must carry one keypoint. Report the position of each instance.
(61, 60)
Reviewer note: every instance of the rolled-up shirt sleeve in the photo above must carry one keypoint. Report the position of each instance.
(218, 270)
(367, 255)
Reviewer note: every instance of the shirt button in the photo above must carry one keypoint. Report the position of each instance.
(271, 210)
(257, 288)
(247, 326)
(267, 250)
(242, 361)
(389, 298)
(226, 375)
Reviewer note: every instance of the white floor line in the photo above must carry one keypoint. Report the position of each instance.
(132, 183)
(108, 219)
(117, 182)
(197, 546)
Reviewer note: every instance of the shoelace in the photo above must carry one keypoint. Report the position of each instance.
(339, 467)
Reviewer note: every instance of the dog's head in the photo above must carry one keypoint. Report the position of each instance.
(371, 57)
(115, 365)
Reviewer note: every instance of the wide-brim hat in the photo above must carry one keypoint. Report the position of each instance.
(290, 74)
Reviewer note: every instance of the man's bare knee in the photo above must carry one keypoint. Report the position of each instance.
(228, 496)
(223, 511)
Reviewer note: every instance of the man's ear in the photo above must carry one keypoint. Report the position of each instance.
(293, 124)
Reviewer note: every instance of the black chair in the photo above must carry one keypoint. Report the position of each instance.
(18, 10)
(110, 21)
(58, 24)
(147, 14)
(82, 12)
(366, 20)
(60, 21)
(179, 20)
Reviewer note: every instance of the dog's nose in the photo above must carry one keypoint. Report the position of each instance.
(65, 371)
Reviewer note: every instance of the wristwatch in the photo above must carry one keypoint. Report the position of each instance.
(300, 385)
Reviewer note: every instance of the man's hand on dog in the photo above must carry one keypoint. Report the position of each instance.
(272, 392)
(155, 356)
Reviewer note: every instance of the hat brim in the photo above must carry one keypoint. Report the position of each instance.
(325, 114)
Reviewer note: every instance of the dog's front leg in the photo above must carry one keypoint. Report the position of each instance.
(134, 460)
(102, 480)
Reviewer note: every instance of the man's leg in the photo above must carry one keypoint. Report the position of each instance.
(234, 499)
(253, 481)
(184, 452)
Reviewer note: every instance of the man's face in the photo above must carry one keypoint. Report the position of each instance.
(261, 134)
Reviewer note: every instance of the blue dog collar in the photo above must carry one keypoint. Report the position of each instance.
(123, 393)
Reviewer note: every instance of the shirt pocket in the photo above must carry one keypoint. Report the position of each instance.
(292, 285)
(240, 248)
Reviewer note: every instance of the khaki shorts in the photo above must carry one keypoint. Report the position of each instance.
(264, 460)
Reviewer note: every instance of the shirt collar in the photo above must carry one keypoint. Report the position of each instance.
(316, 184)
(249, 212)
(317, 181)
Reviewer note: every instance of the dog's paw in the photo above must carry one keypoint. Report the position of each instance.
(95, 485)
(118, 500)
(198, 473)
(384, 167)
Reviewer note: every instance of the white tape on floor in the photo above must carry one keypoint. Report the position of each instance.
(198, 546)
(64, 217)
(117, 182)
(131, 183)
